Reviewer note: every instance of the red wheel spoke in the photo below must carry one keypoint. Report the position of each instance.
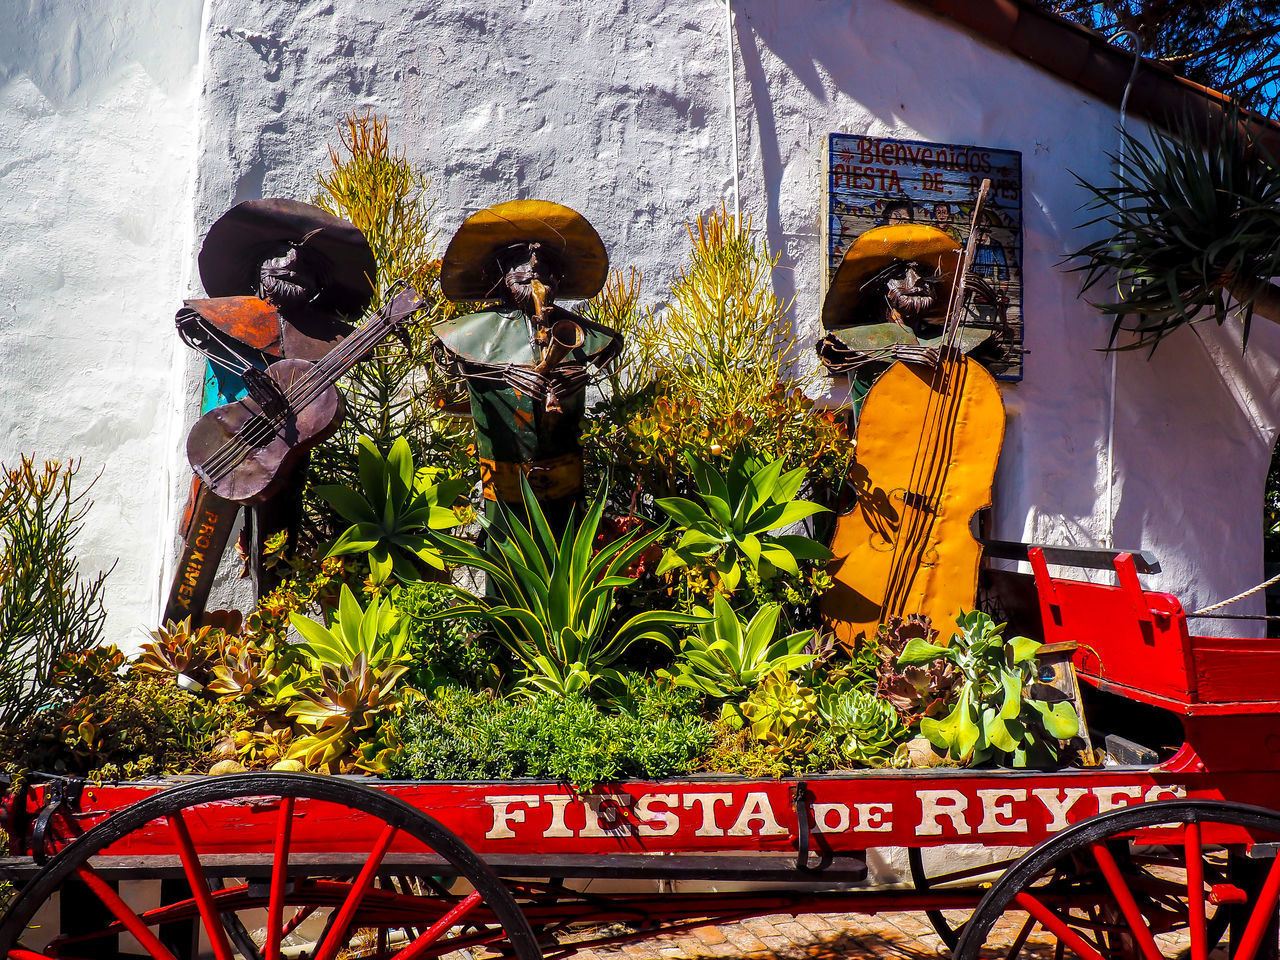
(296, 920)
(1263, 913)
(346, 913)
(1057, 926)
(279, 878)
(1197, 927)
(1124, 899)
(434, 932)
(200, 887)
(130, 920)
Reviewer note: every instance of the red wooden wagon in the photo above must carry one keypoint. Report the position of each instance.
(1170, 855)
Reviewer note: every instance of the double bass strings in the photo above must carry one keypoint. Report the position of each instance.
(303, 391)
(931, 464)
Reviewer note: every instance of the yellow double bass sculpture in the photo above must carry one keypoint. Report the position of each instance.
(928, 438)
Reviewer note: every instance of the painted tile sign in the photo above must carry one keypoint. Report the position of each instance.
(873, 181)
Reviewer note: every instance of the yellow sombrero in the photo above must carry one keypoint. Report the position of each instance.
(470, 271)
(874, 250)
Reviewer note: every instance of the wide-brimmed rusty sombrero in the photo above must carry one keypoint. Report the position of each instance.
(471, 271)
(255, 230)
(874, 250)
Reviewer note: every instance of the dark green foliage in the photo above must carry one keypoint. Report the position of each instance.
(450, 649)
(119, 727)
(461, 735)
(46, 610)
(1193, 222)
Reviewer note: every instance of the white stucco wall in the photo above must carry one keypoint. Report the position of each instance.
(98, 113)
(622, 110)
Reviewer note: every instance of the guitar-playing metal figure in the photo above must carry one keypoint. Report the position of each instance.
(526, 361)
(283, 279)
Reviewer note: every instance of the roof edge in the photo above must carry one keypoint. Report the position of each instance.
(1084, 58)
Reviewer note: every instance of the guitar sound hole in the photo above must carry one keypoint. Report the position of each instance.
(258, 431)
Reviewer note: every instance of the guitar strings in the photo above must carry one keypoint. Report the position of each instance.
(299, 394)
(303, 391)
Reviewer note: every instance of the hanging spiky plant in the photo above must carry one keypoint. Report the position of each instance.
(1194, 224)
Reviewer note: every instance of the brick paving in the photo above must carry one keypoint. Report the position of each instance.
(813, 936)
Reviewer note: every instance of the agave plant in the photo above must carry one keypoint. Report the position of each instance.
(735, 521)
(728, 658)
(391, 514)
(993, 716)
(866, 727)
(1193, 220)
(551, 598)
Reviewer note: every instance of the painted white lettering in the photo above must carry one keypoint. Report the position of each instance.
(707, 803)
(647, 815)
(1059, 801)
(606, 815)
(875, 817)
(936, 804)
(1109, 797)
(503, 815)
(997, 811)
(757, 807)
(1166, 792)
(557, 804)
(822, 817)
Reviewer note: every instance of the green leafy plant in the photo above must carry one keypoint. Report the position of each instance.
(376, 634)
(463, 735)
(866, 727)
(47, 611)
(728, 657)
(1193, 220)
(392, 512)
(552, 597)
(446, 648)
(782, 715)
(733, 526)
(993, 718)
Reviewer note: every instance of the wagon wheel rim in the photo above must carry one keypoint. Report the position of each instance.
(1097, 892)
(350, 902)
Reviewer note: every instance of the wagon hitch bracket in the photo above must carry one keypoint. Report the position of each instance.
(62, 794)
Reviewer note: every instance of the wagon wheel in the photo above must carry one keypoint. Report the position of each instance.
(1139, 883)
(948, 924)
(293, 897)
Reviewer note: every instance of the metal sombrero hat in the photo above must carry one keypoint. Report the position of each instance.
(470, 271)
(874, 250)
(252, 231)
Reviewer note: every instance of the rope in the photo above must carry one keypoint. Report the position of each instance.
(1239, 596)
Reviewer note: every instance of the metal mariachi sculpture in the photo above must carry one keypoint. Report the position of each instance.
(527, 361)
(929, 436)
(282, 278)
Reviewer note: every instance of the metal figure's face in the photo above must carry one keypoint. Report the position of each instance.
(531, 275)
(911, 289)
(290, 279)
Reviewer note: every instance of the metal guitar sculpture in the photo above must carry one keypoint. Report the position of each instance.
(243, 451)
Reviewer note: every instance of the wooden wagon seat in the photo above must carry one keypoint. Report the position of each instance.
(1135, 643)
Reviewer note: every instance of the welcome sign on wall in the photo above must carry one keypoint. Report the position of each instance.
(873, 181)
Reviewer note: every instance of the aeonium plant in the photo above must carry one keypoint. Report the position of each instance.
(993, 716)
